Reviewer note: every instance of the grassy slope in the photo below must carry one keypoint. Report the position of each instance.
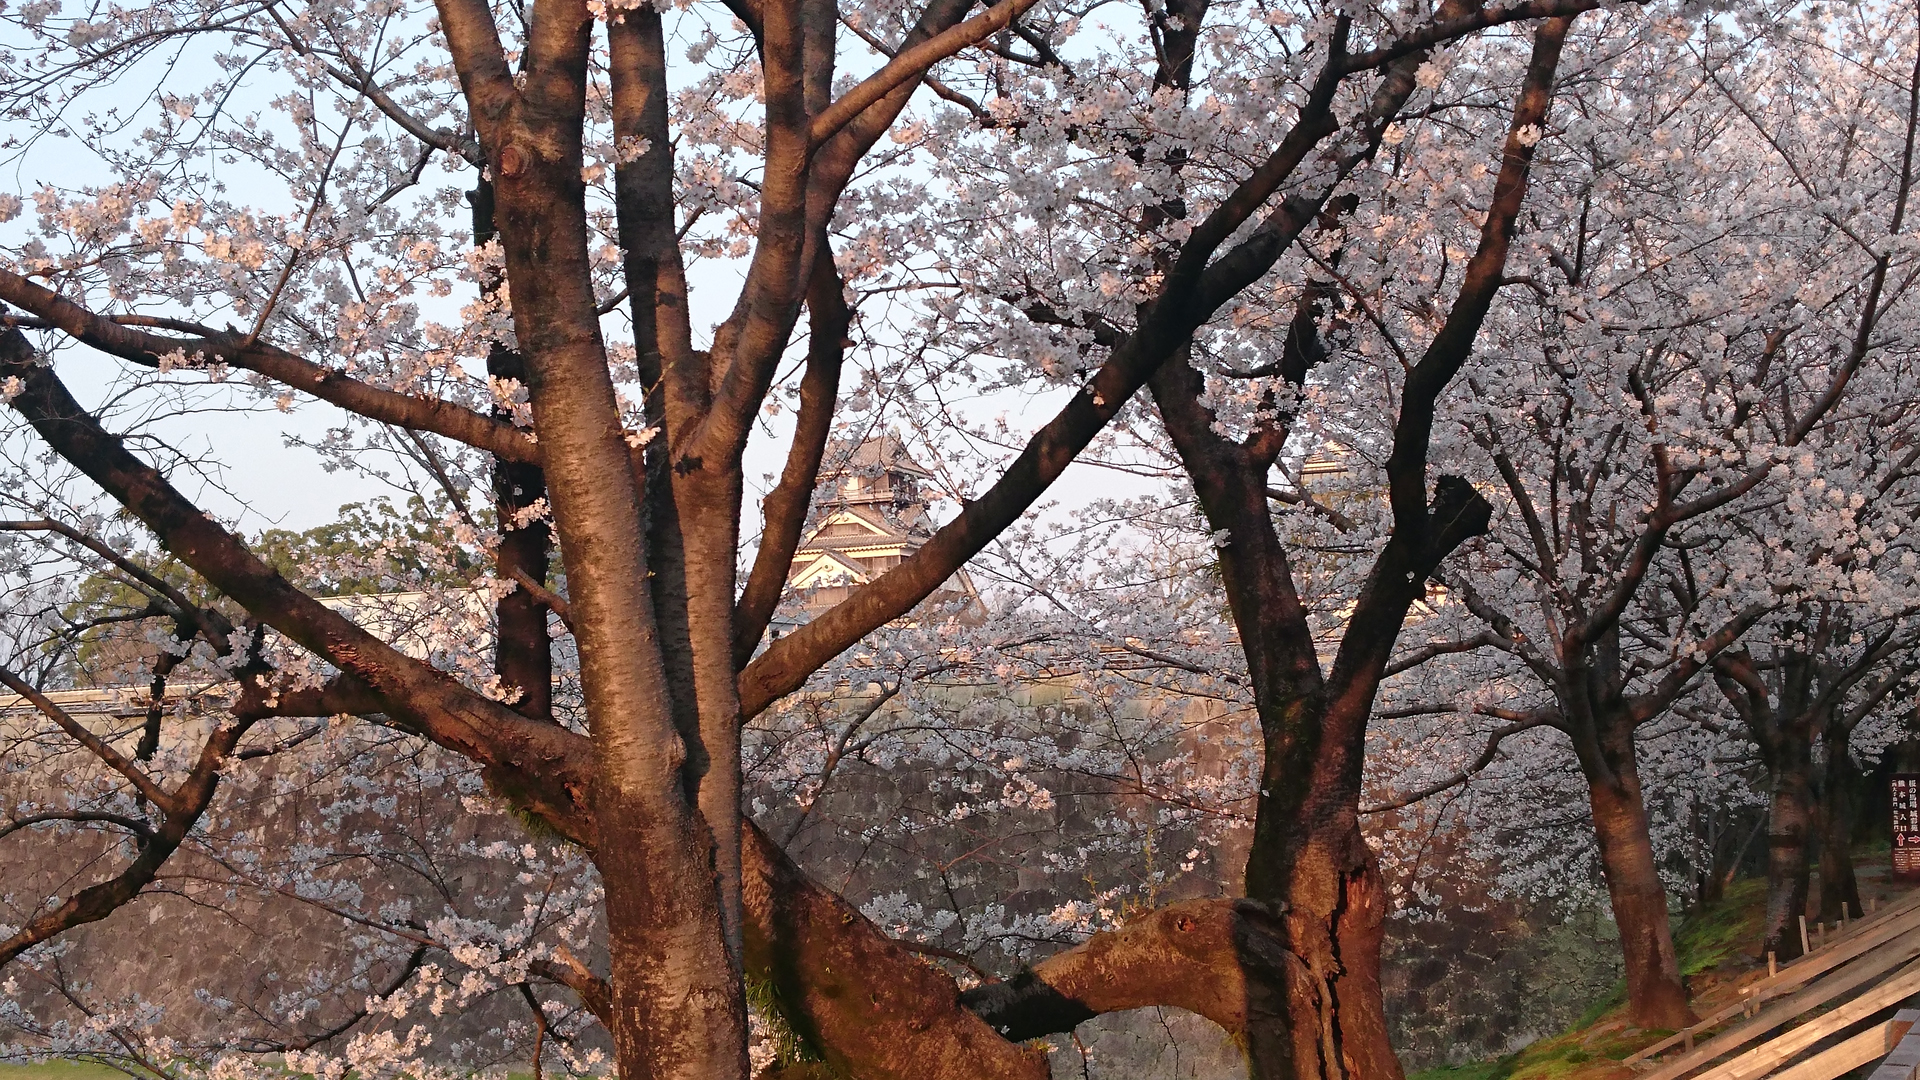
(60, 1070)
(1718, 950)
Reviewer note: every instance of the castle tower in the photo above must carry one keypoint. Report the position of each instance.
(870, 513)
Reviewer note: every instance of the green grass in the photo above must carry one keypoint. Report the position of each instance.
(1549, 1059)
(1713, 935)
(1707, 939)
(1479, 1070)
(60, 1069)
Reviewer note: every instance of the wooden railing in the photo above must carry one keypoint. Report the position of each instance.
(1794, 1019)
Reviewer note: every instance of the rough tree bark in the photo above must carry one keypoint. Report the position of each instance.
(677, 997)
(1781, 716)
(1320, 1012)
(1657, 996)
(1840, 783)
(696, 896)
(1786, 704)
(1789, 827)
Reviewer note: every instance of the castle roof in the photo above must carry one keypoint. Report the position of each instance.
(882, 453)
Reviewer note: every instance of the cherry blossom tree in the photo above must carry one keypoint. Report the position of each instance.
(323, 226)
(1711, 327)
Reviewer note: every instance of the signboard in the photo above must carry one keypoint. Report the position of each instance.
(1906, 826)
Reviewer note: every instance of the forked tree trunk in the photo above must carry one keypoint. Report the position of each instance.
(1315, 1008)
(677, 997)
(1656, 996)
(1323, 1013)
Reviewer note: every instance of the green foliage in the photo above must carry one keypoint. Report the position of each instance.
(790, 1047)
(374, 547)
(61, 1069)
(1716, 933)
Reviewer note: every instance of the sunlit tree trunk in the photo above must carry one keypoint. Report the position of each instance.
(1603, 741)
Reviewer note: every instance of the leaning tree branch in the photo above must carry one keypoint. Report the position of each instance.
(566, 969)
(1217, 958)
(554, 602)
(180, 811)
(870, 1006)
(1484, 639)
(1426, 533)
(911, 62)
(536, 764)
(133, 825)
(239, 350)
(215, 626)
(1305, 499)
(1651, 704)
(99, 747)
(1443, 30)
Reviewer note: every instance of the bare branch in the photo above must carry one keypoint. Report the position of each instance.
(114, 759)
(1492, 750)
(402, 410)
(911, 63)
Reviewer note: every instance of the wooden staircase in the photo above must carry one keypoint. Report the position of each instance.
(1817, 1018)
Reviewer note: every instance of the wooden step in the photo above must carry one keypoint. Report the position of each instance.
(1783, 1012)
(1770, 1055)
(1894, 924)
(1862, 1049)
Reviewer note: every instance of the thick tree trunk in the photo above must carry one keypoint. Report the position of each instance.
(1309, 861)
(678, 1009)
(1838, 810)
(1314, 1009)
(1789, 821)
(678, 1003)
(1656, 996)
(1322, 1013)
